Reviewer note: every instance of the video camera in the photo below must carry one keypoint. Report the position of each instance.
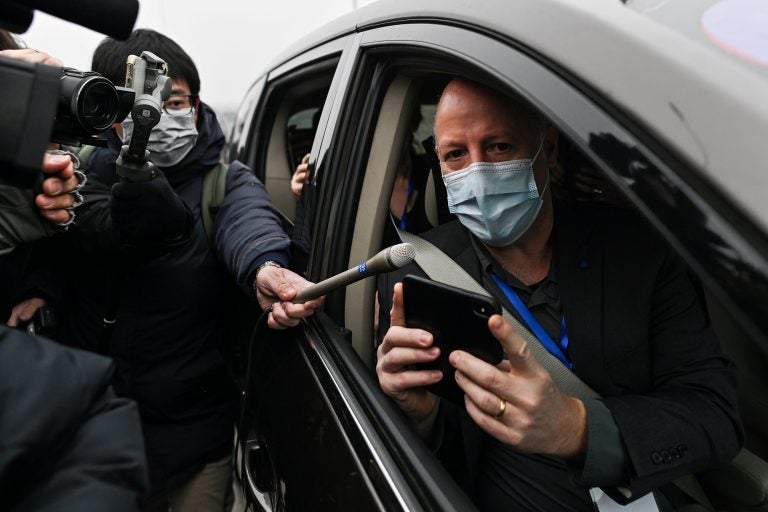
(40, 104)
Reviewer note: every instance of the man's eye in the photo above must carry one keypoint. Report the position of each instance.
(453, 155)
(500, 147)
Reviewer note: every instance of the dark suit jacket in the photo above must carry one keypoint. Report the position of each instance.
(639, 335)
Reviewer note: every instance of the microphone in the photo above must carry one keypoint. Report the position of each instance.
(391, 258)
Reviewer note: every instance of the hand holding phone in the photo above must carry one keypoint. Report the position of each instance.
(458, 320)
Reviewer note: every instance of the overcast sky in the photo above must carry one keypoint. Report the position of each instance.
(231, 41)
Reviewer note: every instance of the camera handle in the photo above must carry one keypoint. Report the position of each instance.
(133, 164)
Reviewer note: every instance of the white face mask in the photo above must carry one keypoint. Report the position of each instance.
(170, 141)
(496, 201)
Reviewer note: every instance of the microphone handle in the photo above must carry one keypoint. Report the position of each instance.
(375, 265)
(328, 285)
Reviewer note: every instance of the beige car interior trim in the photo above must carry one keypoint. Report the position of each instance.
(372, 213)
(277, 175)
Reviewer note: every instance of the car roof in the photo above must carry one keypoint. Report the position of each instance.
(705, 106)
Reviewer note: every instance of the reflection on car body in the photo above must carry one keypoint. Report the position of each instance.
(669, 117)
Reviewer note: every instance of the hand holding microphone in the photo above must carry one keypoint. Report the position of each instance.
(391, 258)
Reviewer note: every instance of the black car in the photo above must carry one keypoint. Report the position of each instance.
(662, 98)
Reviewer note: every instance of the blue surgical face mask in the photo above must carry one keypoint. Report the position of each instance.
(170, 140)
(496, 201)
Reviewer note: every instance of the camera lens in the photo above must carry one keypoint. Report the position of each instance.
(96, 104)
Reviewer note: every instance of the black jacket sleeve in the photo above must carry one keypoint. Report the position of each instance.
(248, 231)
(66, 441)
(688, 420)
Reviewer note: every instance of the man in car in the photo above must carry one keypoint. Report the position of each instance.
(621, 310)
(172, 311)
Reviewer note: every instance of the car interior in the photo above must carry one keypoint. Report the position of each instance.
(403, 125)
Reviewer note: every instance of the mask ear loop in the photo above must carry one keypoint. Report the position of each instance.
(533, 161)
(541, 145)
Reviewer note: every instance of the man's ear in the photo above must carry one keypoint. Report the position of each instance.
(197, 110)
(551, 138)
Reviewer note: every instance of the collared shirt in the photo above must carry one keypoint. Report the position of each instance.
(542, 298)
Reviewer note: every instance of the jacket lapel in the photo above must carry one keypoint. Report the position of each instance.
(579, 267)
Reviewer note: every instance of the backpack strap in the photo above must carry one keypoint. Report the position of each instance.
(84, 154)
(214, 188)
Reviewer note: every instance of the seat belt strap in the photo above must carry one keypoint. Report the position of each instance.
(441, 267)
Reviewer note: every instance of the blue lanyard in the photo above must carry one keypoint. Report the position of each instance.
(557, 350)
(404, 216)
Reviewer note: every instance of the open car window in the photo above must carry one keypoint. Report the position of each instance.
(602, 162)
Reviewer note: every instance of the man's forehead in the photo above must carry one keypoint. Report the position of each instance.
(179, 86)
(461, 95)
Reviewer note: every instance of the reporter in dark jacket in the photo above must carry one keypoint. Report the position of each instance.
(171, 310)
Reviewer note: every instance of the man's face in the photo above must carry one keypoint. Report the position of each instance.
(181, 100)
(472, 124)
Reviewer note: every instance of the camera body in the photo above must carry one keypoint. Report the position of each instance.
(88, 105)
(147, 76)
(40, 104)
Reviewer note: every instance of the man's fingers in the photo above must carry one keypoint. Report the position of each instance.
(479, 373)
(56, 216)
(55, 186)
(56, 163)
(299, 310)
(408, 380)
(399, 336)
(45, 202)
(494, 426)
(272, 282)
(279, 319)
(399, 357)
(32, 56)
(520, 357)
(24, 311)
(397, 314)
(487, 401)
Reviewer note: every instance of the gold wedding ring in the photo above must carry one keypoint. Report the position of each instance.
(502, 408)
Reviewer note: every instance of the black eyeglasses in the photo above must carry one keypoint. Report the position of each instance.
(180, 104)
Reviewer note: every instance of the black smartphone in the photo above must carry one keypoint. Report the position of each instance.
(458, 319)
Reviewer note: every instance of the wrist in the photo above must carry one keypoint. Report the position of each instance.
(425, 426)
(268, 263)
(575, 445)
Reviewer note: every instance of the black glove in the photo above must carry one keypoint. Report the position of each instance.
(150, 212)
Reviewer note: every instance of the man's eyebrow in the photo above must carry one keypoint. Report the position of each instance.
(178, 91)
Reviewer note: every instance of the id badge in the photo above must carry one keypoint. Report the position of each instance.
(604, 503)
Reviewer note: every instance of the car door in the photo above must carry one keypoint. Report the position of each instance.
(308, 439)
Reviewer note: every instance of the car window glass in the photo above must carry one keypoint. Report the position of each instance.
(294, 109)
(300, 132)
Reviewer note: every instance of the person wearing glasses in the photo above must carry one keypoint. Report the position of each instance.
(171, 310)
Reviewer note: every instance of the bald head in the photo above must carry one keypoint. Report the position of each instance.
(462, 94)
(475, 123)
